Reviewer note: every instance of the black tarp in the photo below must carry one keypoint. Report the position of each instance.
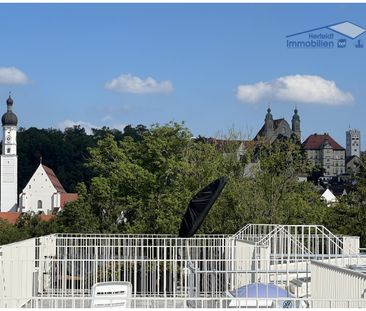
(199, 206)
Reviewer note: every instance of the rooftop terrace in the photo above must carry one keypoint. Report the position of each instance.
(254, 267)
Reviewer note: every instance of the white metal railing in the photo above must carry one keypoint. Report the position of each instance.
(181, 302)
(60, 269)
(307, 240)
(337, 283)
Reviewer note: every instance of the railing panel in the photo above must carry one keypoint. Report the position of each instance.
(331, 282)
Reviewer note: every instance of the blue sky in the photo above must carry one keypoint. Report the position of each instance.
(67, 63)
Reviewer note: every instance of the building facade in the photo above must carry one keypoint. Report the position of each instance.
(273, 128)
(9, 161)
(325, 152)
(353, 143)
(44, 193)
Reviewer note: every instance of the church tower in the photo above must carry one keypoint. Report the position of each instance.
(9, 161)
(268, 124)
(296, 124)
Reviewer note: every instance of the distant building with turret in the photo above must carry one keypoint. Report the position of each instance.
(273, 128)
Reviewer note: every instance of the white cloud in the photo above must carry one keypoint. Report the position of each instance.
(12, 75)
(107, 117)
(86, 125)
(296, 88)
(255, 92)
(128, 83)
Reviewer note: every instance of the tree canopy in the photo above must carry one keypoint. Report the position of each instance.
(141, 181)
(143, 184)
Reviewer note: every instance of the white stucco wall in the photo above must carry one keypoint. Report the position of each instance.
(38, 188)
(9, 183)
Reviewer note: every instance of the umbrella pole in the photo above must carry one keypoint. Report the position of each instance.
(190, 270)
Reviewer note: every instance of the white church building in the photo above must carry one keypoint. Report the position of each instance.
(43, 193)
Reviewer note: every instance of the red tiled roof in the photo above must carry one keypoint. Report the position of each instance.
(11, 217)
(315, 141)
(53, 178)
(67, 197)
(46, 217)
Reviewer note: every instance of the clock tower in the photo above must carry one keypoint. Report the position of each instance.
(9, 161)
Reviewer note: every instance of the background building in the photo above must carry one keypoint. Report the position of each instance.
(9, 161)
(279, 127)
(353, 143)
(325, 152)
(44, 193)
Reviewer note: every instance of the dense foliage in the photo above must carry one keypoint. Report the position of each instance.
(63, 151)
(141, 181)
(348, 216)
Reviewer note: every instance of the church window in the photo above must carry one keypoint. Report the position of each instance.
(8, 150)
(30, 187)
(39, 204)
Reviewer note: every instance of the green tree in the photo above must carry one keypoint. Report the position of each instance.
(63, 151)
(144, 185)
(278, 192)
(9, 233)
(140, 180)
(348, 216)
(77, 216)
(31, 225)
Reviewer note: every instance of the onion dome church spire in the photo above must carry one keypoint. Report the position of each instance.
(9, 118)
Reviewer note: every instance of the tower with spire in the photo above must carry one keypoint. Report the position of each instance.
(275, 128)
(296, 124)
(9, 161)
(268, 124)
